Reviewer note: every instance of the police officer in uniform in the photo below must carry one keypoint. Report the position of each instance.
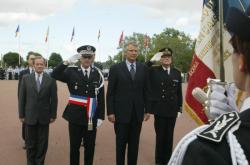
(226, 140)
(165, 102)
(85, 108)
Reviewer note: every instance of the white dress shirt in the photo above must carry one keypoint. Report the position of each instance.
(40, 78)
(168, 68)
(31, 69)
(88, 70)
(129, 65)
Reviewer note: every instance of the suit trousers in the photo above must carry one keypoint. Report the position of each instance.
(23, 131)
(36, 138)
(127, 134)
(76, 134)
(164, 129)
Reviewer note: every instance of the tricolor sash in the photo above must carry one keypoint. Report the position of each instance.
(89, 102)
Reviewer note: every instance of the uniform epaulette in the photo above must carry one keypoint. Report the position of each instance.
(219, 127)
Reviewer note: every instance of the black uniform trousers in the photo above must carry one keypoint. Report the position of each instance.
(127, 134)
(36, 139)
(23, 131)
(76, 134)
(164, 129)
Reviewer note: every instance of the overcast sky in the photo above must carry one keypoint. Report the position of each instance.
(88, 16)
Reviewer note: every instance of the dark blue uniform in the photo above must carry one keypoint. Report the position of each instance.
(165, 103)
(76, 115)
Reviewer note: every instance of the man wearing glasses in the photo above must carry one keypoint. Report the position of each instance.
(85, 108)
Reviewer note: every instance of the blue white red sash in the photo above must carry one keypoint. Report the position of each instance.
(89, 102)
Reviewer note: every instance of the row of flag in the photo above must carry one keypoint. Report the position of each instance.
(121, 39)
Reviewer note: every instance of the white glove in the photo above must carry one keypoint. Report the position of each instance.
(218, 103)
(156, 57)
(99, 122)
(231, 90)
(73, 59)
(179, 114)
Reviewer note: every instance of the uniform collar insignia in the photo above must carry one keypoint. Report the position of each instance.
(219, 127)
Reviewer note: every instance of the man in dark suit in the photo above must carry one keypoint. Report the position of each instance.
(126, 103)
(37, 108)
(30, 59)
(165, 102)
(85, 108)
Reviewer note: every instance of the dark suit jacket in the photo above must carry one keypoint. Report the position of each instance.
(77, 85)
(22, 73)
(124, 93)
(206, 152)
(37, 106)
(165, 91)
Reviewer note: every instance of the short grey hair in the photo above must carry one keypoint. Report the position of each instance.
(130, 43)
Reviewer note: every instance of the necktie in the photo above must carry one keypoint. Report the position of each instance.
(86, 74)
(132, 71)
(38, 84)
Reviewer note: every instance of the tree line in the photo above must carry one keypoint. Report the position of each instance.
(181, 44)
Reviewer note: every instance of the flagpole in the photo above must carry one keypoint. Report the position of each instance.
(47, 41)
(48, 55)
(242, 6)
(99, 45)
(19, 50)
(1, 60)
(222, 69)
(123, 45)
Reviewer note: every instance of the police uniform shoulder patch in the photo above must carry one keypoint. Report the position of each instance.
(219, 127)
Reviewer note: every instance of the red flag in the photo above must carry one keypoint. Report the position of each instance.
(47, 36)
(121, 39)
(206, 58)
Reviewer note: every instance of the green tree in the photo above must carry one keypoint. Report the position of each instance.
(108, 63)
(12, 59)
(181, 44)
(142, 51)
(55, 59)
